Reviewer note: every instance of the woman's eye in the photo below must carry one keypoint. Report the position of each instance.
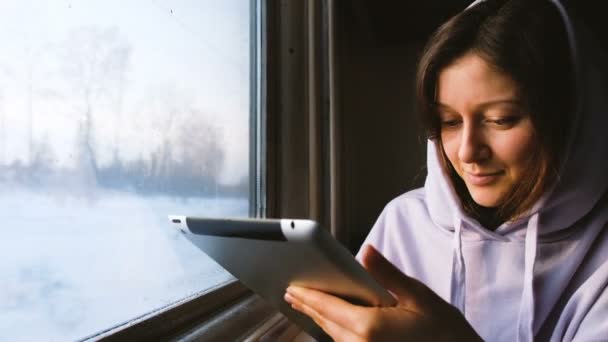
(505, 122)
(450, 123)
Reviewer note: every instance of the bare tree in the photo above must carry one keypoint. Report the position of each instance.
(94, 67)
(201, 148)
(188, 153)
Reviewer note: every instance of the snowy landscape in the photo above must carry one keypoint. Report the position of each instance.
(71, 267)
(115, 114)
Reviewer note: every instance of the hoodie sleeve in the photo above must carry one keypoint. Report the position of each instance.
(594, 326)
(584, 317)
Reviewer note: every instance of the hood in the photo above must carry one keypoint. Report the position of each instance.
(583, 177)
(581, 184)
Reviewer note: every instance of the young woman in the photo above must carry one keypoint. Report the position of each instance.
(508, 238)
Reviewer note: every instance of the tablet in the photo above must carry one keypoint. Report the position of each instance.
(268, 255)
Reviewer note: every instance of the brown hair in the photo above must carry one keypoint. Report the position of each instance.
(526, 40)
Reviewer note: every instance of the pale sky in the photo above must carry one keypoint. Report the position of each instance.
(182, 56)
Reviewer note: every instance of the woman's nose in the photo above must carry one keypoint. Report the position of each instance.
(473, 147)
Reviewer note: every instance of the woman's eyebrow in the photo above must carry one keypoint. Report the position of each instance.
(484, 105)
(445, 106)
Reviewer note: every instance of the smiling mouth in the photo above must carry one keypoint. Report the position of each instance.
(480, 179)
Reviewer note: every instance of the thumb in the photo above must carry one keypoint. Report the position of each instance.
(389, 276)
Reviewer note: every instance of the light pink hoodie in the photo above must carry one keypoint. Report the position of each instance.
(542, 277)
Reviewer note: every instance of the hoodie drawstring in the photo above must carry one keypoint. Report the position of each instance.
(525, 320)
(457, 285)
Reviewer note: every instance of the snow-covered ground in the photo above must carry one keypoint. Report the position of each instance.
(72, 266)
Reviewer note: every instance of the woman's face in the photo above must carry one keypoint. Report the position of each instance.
(486, 133)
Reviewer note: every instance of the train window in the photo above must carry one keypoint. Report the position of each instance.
(113, 115)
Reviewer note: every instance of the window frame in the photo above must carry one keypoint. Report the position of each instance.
(201, 310)
(166, 321)
(290, 59)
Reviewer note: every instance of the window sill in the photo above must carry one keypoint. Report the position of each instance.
(226, 312)
(199, 310)
(279, 329)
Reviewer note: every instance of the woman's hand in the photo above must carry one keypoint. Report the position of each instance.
(420, 314)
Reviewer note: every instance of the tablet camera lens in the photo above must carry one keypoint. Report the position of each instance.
(293, 225)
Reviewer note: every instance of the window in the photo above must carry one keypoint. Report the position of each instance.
(113, 115)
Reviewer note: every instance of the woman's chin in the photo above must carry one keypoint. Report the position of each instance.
(488, 200)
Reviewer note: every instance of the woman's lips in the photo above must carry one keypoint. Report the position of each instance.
(481, 179)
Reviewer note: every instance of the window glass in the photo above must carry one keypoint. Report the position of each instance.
(113, 115)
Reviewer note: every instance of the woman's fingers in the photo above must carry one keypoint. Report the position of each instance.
(330, 308)
(420, 314)
(335, 330)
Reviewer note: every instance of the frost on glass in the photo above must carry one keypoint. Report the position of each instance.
(114, 114)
